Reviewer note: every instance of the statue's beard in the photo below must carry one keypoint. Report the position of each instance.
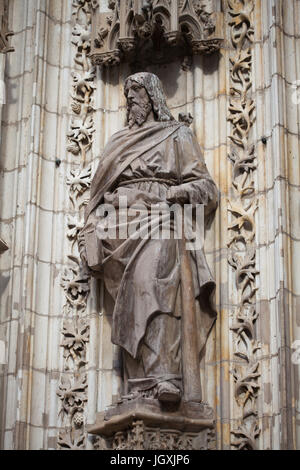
(138, 113)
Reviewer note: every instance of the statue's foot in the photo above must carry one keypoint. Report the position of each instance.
(168, 393)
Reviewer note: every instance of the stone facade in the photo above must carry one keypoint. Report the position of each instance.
(57, 364)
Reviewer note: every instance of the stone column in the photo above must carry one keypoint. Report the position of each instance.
(33, 201)
(277, 69)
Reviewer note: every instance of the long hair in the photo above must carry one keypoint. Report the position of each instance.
(154, 88)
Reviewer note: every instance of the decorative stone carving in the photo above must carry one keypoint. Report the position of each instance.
(74, 227)
(76, 335)
(80, 136)
(76, 285)
(242, 229)
(246, 439)
(79, 182)
(71, 440)
(73, 396)
(136, 27)
(75, 280)
(4, 31)
(141, 424)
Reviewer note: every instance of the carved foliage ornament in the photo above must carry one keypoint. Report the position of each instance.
(137, 25)
(75, 282)
(242, 208)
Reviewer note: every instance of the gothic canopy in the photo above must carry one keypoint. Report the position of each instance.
(137, 28)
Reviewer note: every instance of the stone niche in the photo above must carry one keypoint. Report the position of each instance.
(155, 31)
(152, 35)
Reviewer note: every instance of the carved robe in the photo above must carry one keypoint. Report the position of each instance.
(143, 276)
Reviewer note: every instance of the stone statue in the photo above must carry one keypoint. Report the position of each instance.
(155, 159)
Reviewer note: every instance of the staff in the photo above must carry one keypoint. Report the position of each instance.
(189, 341)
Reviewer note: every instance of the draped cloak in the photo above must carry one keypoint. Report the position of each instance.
(143, 276)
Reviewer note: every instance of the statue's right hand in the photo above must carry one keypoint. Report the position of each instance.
(177, 195)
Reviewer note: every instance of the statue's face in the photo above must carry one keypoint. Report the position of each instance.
(139, 105)
(136, 93)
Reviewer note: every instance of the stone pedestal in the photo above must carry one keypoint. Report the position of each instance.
(143, 424)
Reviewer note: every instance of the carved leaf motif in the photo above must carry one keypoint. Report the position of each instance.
(81, 131)
(244, 216)
(80, 180)
(74, 227)
(250, 347)
(243, 162)
(83, 84)
(245, 438)
(246, 268)
(75, 282)
(67, 442)
(241, 11)
(73, 395)
(82, 37)
(241, 113)
(76, 335)
(246, 386)
(76, 287)
(241, 24)
(246, 345)
(245, 322)
(242, 63)
(245, 275)
(81, 135)
(242, 253)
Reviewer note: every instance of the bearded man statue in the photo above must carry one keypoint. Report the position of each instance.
(142, 276)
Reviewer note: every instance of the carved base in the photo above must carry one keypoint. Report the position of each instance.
(143, 424)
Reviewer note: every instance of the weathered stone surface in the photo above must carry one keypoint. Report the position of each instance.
(39, 222)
